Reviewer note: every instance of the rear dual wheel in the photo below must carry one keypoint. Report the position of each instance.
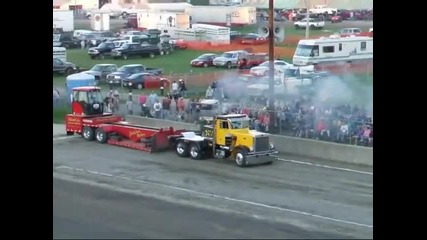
(191, 150)
(90, 134)
(101, 136)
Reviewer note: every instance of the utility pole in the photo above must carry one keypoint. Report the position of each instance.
(307, 17)
(271, 59)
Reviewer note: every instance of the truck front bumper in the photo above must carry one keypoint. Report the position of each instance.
(255, 158)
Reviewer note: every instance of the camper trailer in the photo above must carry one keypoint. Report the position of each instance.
(149, 19)
(334, 50)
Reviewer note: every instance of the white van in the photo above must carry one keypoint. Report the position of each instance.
(79, 33)
(60, 52)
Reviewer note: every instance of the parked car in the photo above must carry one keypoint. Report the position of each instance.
(312, 23)
(102, 50)
(135, 49)
(263, 68)
(252, 60)
(229, 59)
(126, 70)
(145, 81)
(65, 40)
(253, 39)
(336, 19)
(123, 72)
(349, 31)
(62, 67)
(205, 60)
(100, 71)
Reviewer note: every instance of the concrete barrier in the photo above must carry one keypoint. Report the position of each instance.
(296, 146)
(324, 150)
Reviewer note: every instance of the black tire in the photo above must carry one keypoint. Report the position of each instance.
(140, 86)
(182, 149)
(228, 65)
(101, 136)
(195, 151)
(69, 71)
(205, 65)
(240, 157)
(125, 56)
(88, 133)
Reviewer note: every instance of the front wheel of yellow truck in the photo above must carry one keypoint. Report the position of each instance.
(240, 157)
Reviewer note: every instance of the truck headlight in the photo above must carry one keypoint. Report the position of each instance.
(271, 146)
(116, 77)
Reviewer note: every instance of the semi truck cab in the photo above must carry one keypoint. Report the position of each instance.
(228, 137)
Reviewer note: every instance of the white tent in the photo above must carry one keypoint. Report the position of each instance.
(169, 7)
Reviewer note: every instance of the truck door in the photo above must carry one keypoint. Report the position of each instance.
(222, 129)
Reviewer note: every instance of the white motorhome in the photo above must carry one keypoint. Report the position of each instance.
(60, 52)
(334, 49)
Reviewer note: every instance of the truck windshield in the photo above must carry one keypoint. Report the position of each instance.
(125, 46)
(103, 45)
(124, 69)
(94, 97)
(291, 72)
(204, 106)
(97, 68)
(239, 123)
(307, 50)
(227, 55)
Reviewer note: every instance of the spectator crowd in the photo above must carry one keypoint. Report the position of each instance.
(299, 118)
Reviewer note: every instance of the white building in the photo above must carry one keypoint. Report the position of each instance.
(81, 4)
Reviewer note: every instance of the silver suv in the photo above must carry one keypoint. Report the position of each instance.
(229, 59)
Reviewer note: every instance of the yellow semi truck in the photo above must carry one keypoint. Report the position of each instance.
(229, 137)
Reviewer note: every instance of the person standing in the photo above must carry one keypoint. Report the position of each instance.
(157, 109)
(83, 44)
(166, 105)
(129, 104)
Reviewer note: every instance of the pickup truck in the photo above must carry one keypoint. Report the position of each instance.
(135, 49)
(252, 60)
(312, 23)
(117, 77)
(229, 59)
(101, 51)
(289, 82)
(100, 71)
(62, 67)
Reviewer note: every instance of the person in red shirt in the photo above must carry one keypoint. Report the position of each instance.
(266, 122)
(245, 110)
(166, 106)
(320, 128)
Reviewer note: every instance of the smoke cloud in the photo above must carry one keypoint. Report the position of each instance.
(347, 89)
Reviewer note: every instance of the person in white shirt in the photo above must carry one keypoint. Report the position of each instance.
(174, 87)
(157, 109)
(343, 132)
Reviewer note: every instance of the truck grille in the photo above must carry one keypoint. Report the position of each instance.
(262, 144)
